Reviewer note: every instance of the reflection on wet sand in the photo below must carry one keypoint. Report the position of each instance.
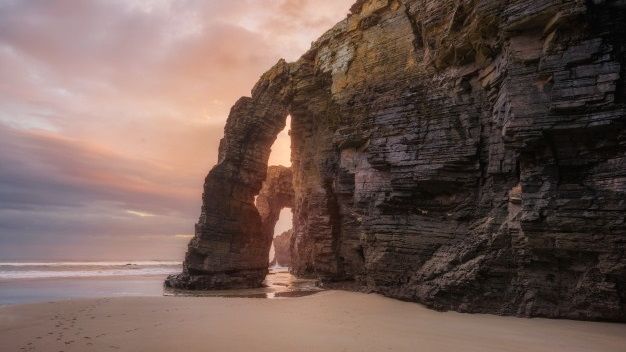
(279, 283)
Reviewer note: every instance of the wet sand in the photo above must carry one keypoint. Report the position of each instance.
(279, 283)
(326, 321)
(22, 291)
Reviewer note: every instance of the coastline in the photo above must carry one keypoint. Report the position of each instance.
(279, 283)
(329, 320)
(38, 290)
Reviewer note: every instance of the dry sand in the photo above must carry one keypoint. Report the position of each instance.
(328, 321)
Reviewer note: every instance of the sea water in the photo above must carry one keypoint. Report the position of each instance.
(35, 270)
(35, 282)
(31, 282)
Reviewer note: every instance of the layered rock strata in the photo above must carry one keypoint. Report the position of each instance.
(275, 195)
(469, 155)
(248, 266)
(282, 249)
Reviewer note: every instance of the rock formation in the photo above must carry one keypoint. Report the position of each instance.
(276, 194)
(282, 249)
(466, 154)
(239, 256)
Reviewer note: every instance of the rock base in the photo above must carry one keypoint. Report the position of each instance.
(217, 281)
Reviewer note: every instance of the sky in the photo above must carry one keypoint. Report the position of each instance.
(111, 112)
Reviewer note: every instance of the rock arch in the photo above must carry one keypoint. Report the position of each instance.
(276, 194)
(466, 157)
(230, 247)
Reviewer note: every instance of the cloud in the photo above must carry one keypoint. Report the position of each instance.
(42, 168)
(110, 109)
(55, 190)
(141, 214)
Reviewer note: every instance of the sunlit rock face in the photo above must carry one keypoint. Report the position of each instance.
(468, 155)
(276, 194)
(282, 247)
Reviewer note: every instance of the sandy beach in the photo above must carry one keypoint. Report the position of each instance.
(327, 321)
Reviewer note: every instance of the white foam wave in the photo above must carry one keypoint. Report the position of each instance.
(41, 274)
(54, 264)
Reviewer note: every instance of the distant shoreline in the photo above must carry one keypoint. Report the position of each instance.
(86, 278)
(69, 269)
(47, 289)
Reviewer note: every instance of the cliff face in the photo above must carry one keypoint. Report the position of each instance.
(469, 155)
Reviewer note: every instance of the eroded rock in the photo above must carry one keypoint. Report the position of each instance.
(469, 155)
(276, 194)
(282, 247)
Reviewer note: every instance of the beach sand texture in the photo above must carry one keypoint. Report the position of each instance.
(327, 321)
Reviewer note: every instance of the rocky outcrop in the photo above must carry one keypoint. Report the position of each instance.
(469, 155)
(282, 249)
(248, 265)
(276, 194)
(230, 248)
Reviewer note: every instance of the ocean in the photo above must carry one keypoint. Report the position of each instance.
(32, 282)
(35, 282)
(35, 270)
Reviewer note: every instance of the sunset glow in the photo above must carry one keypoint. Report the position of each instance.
(111, 113)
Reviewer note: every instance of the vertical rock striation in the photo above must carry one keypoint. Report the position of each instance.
(276, 194)
(282, 247)
(466, 154)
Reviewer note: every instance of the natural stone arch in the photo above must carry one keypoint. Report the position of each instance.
(448, 164)
(276, 194)
(230, 247)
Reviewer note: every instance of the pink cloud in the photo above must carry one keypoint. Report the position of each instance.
(120, 104)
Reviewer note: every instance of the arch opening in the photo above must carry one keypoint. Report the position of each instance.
(275, 200)
(233, 236)
(280, 153)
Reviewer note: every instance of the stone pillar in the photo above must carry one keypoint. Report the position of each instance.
(230, 247)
